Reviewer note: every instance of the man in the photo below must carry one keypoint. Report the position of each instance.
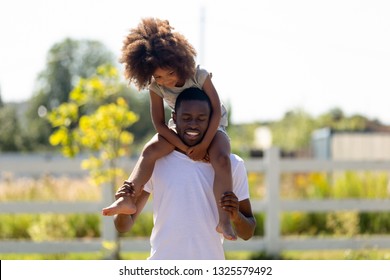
(184, 209)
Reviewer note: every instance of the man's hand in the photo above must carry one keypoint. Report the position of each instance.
(229, 203)
(127, 189)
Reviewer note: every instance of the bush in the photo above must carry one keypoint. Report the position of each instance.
(16, 226)
(49, 226)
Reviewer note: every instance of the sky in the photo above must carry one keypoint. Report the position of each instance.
(267, 56)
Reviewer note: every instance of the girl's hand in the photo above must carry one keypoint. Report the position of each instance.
(197, 153)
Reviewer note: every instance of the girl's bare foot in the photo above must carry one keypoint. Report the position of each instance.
(227, 230)
(123, 205)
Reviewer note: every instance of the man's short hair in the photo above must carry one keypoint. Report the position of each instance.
(190, 94)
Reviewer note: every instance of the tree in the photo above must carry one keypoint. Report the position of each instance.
(95, 119)
(336, 120)
(10, 136)
(67, 62)
(1, 100)
(293, 132)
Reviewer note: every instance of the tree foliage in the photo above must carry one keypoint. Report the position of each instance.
(1, 100)
(10, 137)
(293, 132)
(67, 62)
(337, 120)
(95, 120)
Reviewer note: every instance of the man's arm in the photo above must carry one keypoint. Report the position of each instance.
(245, 223)
(124, 223)
(240, 214)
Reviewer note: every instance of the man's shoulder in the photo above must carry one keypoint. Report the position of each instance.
(236, 157)
(236, 160)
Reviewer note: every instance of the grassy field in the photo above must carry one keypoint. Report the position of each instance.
(288, 255)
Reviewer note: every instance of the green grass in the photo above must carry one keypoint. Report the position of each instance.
(99, 256)
(338, 255)
(286, 255)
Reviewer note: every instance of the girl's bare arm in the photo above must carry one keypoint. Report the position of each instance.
(158, 118)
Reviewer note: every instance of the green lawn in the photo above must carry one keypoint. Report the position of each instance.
(288, 255)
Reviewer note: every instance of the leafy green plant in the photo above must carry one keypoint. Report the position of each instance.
(16, 226)
(344, 223)
(51, 227)
(143, 226)
(95, 120)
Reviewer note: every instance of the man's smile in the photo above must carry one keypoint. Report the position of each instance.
(192, 134)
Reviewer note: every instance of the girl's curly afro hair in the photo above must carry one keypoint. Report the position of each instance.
(153, 44)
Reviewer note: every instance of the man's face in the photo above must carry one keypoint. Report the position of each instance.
(192, 120)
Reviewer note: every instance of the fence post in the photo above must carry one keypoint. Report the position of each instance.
(272, 198)
(109, 234)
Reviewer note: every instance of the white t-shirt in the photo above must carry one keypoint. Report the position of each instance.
(184, 208)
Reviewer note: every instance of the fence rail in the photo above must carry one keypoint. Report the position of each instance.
(272, 166)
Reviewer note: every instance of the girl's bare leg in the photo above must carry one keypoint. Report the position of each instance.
(219, 153)
(156, 148)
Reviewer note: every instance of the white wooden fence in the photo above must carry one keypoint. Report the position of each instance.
(272, 206)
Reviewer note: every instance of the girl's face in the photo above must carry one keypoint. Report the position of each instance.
(166, 77)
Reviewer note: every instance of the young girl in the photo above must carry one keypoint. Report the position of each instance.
(156, 57)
